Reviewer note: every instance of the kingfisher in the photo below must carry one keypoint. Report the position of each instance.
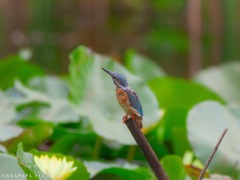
(127, 98)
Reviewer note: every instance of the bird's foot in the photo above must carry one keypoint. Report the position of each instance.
(125, 118)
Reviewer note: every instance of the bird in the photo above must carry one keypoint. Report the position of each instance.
(127, 98)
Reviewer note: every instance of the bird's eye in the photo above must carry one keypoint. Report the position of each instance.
(114, 77)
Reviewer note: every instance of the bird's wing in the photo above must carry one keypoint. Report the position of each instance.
(134, 101)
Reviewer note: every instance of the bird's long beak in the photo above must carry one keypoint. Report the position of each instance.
(107, 71)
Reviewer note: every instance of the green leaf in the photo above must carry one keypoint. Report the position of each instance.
(25, 123)
(205, 124)
(59, 109)
(9, 131)
(31, 137)
(100, 170)
(224, 80)
(10, 168)
(177, 96)
(93, 93)
(179, 142)
(180, 93)
(7, 116)
(155, 140)
(124, 174)
(174, 167)
(14, 67)
(28, 165)
(172, 118)
(142, 66)
(7, 109)
(49, 84)
(75, 143)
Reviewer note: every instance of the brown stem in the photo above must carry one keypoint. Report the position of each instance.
(216, 25)
(213, 153)
(194, 22)
(146, 149)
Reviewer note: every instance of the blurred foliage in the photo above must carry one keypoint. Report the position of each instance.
(158, 29)
(9, 165)
(171, 162)
(224, 80)
(210, 114)
(14, 67)
(77, 117)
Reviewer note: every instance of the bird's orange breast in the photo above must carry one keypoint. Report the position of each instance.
(122, 96)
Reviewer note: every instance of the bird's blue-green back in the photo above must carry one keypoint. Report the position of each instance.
(134, 101)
